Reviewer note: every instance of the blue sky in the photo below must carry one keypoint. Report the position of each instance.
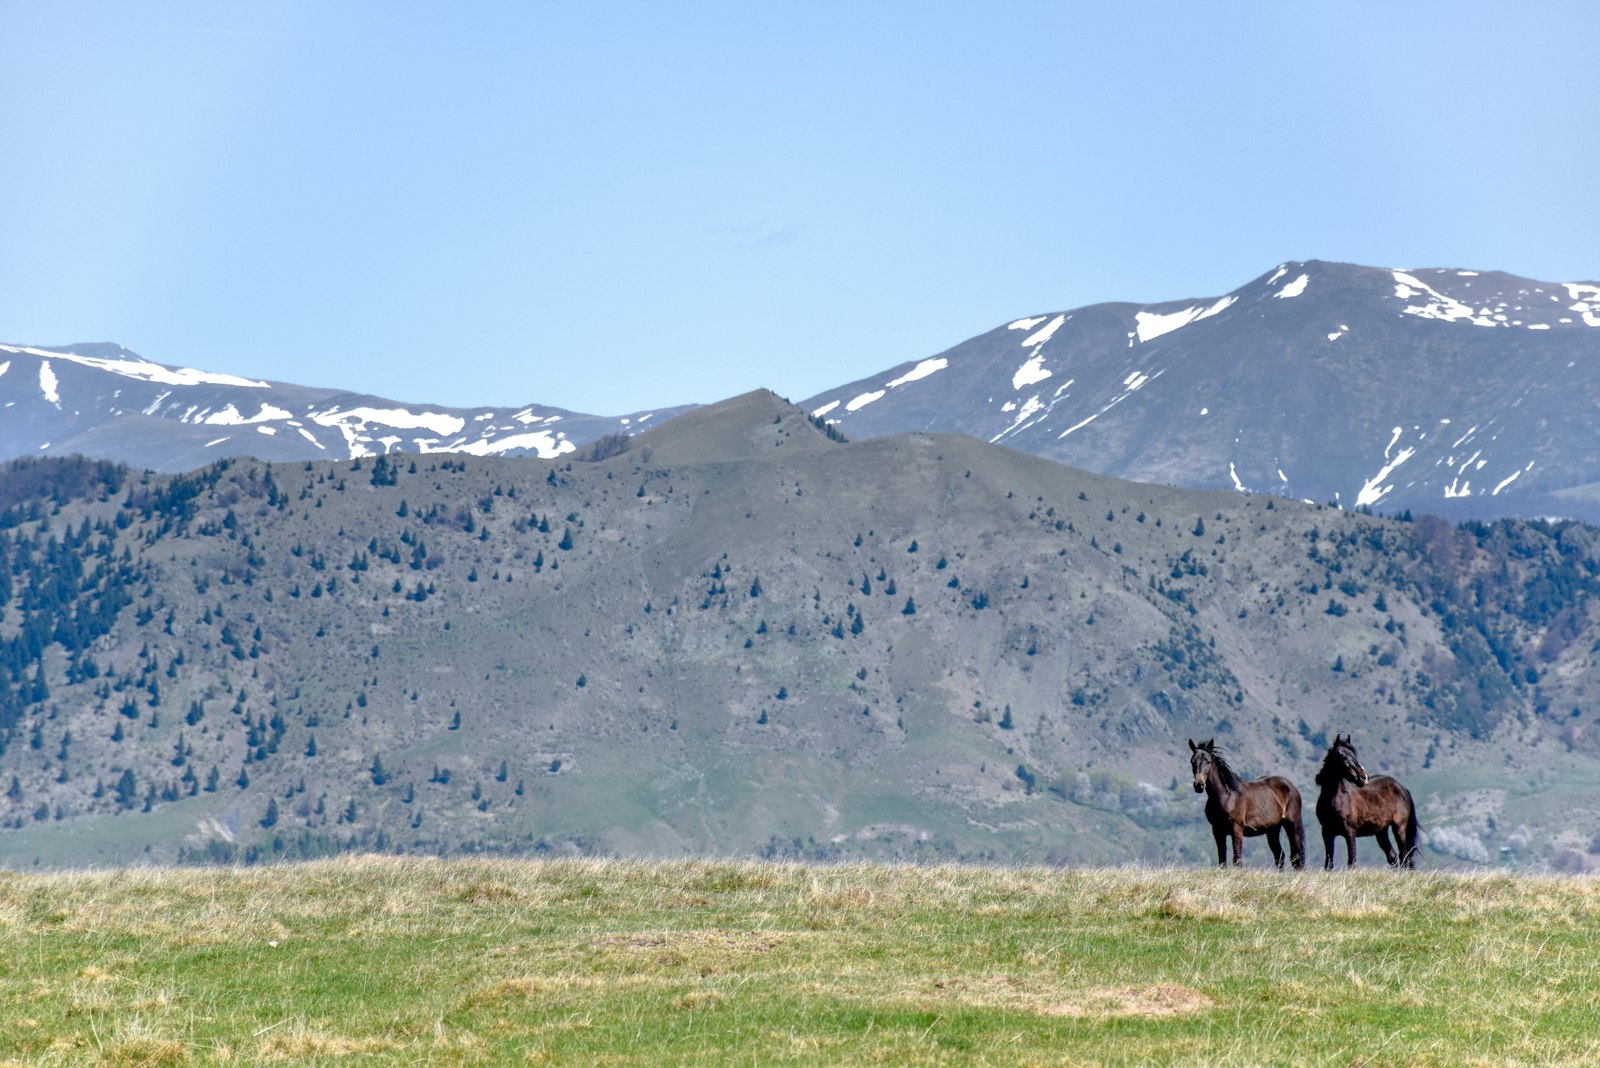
(611, 207)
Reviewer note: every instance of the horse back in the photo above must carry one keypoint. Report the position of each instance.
(1381, 803)
(1286, 791)
(1389, 796)
(1273, 798)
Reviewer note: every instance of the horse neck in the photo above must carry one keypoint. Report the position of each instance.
(1332, 781)
(1217, 784)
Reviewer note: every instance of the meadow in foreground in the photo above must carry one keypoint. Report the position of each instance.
(587, 962)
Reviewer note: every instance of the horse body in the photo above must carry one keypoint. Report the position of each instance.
(1351, 804)
(1238, 808)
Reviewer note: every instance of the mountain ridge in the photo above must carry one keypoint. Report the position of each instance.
(1319, 381)
(107, 402)
(1447, 391)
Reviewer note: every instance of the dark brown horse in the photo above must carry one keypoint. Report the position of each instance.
(1352, 803)
(1238, 807)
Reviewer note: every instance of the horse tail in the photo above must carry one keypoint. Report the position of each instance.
(1413, 832)
(1297, 828)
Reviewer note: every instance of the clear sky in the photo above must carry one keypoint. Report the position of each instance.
(611, 207)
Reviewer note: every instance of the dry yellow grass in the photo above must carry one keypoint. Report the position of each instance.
(596, 962)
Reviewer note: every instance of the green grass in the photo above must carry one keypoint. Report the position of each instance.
(588, 962)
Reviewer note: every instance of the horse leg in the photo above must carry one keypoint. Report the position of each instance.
(1350, 842)
(1297, 842)
(1276, 847)
(1389, 853)
(1222, 846)
(1327, 849)
(1238, 845)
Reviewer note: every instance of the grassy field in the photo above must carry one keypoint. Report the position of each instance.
(594, 963)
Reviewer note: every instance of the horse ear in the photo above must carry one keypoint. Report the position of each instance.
(1211, 743)
(1191, 745)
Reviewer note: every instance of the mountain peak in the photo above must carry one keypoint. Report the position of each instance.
(1431, 389)
(758, 424)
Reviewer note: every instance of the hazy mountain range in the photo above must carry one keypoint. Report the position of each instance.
(102, 401)
(1454, 392)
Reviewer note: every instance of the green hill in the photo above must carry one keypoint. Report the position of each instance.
(741, 637)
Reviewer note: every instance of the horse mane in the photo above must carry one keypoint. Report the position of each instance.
(1229, 777)
(1327, 774)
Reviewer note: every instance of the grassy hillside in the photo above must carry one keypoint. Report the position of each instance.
(627, 963)
(742, 637)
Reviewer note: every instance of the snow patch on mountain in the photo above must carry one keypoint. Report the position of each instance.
(920, 371)
(1131, 385)
(1041, 336)
(353, 423)
(917, 372)
(864, 399)
(1374, 490)
(1586, 301)
(1295, 288)
(1026, 324)
(1032, 371)
(48, 383)
(229, 416)
(1150, 325)
(548, 445)
(1437, 305)
(1030, 408)
(399, 418)
(145, 370)
(1511, 478)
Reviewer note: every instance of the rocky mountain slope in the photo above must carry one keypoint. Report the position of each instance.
(102, 401)
(1451, 392)
(743, 636)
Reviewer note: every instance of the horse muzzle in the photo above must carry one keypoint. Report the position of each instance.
(1361, 777)
(1199, 787)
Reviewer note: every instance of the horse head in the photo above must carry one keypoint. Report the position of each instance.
(1343, 754)
(1200, 762)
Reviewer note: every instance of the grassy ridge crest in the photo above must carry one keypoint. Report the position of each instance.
(583, 961)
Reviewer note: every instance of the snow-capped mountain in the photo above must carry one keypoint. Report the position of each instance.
(101, 400)
(1449, 391)
(1441, 390)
